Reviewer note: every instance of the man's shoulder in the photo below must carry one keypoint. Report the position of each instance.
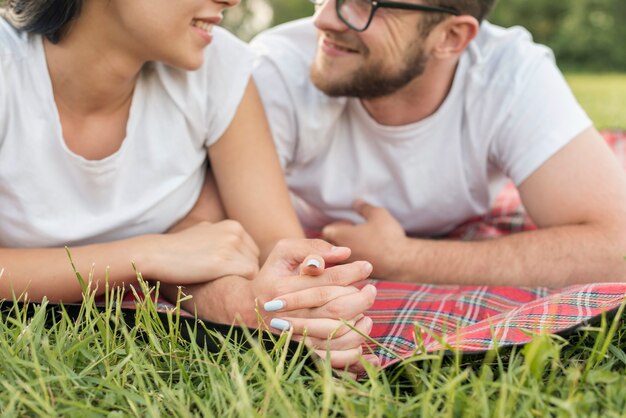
(500, 62)
(288, 44)
(506, 53)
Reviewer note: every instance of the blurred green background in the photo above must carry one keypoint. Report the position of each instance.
(584, 34)
(588, 38)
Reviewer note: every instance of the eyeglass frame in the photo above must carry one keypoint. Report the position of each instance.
(377, 4)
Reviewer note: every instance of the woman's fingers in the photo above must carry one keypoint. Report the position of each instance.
(251, 246)
(348, 306)
(358, 368)
(309, 298)
(343, 358)
(321, 328)
(352, 339)
(341, 303)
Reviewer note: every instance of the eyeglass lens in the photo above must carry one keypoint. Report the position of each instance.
(355, 13)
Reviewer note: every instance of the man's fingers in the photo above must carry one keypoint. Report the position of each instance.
(296, 250)
(332, 232)
(309, 298)
(312, 266)
(364, 209)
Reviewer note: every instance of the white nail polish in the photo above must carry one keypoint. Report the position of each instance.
(313, 263)
(280, 324)
(274, 305)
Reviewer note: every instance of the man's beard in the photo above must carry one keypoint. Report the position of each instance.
(372, 81)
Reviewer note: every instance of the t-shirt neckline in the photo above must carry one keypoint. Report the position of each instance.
(108, 162)
(395, 132)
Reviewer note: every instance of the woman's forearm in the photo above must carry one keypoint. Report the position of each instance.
(48, 272)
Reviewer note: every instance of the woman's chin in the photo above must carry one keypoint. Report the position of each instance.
(188, 63)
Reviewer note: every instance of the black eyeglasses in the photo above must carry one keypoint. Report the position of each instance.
(358, 14)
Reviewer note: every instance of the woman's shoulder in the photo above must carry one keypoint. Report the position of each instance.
(226, 53)
(225, 40)
(13, 43)
(214, 90)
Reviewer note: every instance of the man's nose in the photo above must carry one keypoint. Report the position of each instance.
(326, 19)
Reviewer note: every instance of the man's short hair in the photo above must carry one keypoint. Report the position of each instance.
(480, 9)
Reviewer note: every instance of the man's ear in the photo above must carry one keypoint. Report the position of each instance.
(453, 35)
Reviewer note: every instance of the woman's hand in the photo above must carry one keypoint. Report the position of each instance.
(201, 253)
(330, 294)
(313, 302)
(321, 306)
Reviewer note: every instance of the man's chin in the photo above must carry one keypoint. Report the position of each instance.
(327, 84)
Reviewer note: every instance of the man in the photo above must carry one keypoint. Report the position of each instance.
(397, 121)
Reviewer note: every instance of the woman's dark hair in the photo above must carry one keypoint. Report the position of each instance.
(50, 18)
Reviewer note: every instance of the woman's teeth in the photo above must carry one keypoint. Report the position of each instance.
(207, 27)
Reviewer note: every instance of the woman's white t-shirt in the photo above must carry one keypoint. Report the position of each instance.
(50, 196)
(508, 111)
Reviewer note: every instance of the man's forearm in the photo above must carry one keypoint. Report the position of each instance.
(225, 300)
(553, 257)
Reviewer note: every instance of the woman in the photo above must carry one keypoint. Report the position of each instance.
(107, 110)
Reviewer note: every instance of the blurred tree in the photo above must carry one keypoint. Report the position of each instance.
(252, 16)
(286, 10)
(249, 18)
(584, 34)
(541, 15)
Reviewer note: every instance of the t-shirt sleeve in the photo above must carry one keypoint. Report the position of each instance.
(4, 107)
(279, 108)
(543, 118)
(229, 67)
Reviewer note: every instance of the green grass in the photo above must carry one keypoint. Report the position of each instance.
(99, 366)
(603, 96)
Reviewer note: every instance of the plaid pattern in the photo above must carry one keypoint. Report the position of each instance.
(411, 318)
(476, 319)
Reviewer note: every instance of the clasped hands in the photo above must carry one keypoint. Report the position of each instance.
(218, 264)
(295, 291)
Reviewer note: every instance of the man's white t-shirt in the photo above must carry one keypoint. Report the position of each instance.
(508, 111)
(49, 196)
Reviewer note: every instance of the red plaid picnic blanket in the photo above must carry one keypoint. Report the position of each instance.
(411, 318)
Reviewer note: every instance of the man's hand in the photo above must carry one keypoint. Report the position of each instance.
(308, 300)
(329, 295)
(314, 308)
(380, 240)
